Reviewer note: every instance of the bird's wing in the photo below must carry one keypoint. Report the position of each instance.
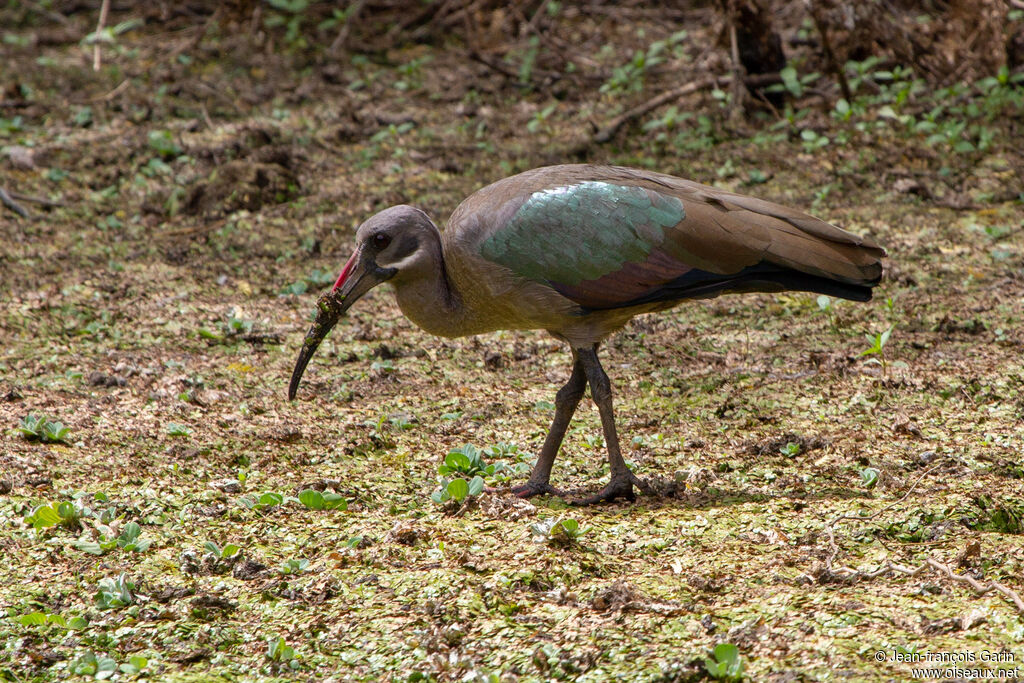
(631, 240)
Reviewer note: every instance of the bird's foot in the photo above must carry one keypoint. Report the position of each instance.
(535, 488)
(620, 486)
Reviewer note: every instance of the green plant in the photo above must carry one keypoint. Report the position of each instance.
(412, 71)
(877, 347)
(812, 140)
(162, 142)
(89, 664)
(828, 306)
(790, 450)
(294, 566)
(792, 82)
(869, 477)
(101, 667)
(458, 490)
(725, 663)
(557, 531)
(266, 500)
(279, 652)
(529, 60)
(314, 500)
(401, 422)
(175, 429)
(467, 460)
(1004, 516)
(66, 514)
(630, 76)
(230, 329)
(36, 427)
(130, 540)
(918, 526)
(114, 593)
(44, 619)
(534, 124)
(134, 665)
(225, 553)
(291, 15)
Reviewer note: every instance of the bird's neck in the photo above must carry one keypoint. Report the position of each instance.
(429, 298)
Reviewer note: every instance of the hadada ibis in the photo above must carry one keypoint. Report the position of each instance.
(578, 250)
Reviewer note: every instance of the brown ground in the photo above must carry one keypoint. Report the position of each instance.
(206, 183)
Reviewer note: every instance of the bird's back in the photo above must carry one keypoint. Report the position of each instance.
(609, 237)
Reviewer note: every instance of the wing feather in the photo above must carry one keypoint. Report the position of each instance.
(607, 237)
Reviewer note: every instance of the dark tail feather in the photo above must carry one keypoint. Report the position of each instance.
(764, 277)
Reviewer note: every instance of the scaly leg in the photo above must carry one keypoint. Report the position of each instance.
(622, 479)
(566, 400)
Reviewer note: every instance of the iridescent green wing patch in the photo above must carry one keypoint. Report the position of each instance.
(582, 232)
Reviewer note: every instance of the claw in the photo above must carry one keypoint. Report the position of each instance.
(531, 489)
(619, 487)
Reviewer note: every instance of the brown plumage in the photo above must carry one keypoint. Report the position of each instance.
(578, 250)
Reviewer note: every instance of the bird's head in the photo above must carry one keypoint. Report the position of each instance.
(392, 245)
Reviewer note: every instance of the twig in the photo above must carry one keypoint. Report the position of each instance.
(206, 115)
(979, 588)
(930, 562)
(104, 11)
(830, 55)
(48, 203)
(829, 528)
(339, 42)
(492, 64)
(113, 93)
(8, 201)
(56, 16)
(738, 71)
(609, 131)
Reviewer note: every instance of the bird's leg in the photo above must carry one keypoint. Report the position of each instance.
(566, 400)
(622, 480)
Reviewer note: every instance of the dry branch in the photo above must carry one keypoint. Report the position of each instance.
(930, 562)
(612, 128)
(104, 11)
(8, 201)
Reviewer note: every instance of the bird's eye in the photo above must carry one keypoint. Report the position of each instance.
(381, 240)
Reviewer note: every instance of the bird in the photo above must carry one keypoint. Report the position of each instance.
(578, 250)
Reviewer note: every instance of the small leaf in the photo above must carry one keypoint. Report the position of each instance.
(129, 534)
(458, 489)
(270, 499)
(571, 526)
(334, 501)
(66, 511)
(33, 619)
(869, 477)
(312, 499)
(44, 516)
(476, 486)
(90, 547)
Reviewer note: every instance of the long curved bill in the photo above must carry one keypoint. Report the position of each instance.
(357, 278)
(330, 307)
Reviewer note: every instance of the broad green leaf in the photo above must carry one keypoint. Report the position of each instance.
(458, 489)
(33, 619)
(314, 500)
(91, 547)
